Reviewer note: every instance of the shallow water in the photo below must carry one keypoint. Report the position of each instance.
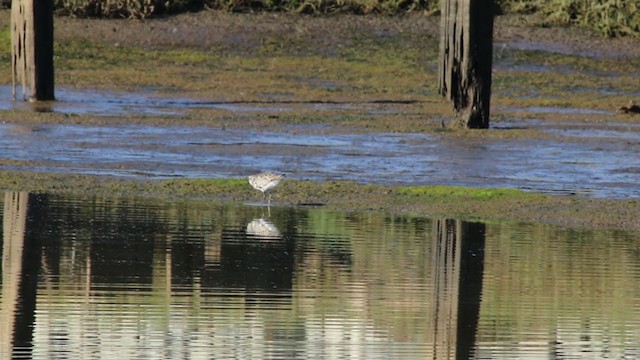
(99, 102)
(605, 166)
(132, 278)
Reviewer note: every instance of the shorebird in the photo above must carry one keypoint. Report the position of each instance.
(264, 182)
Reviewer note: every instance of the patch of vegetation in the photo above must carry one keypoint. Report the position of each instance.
(461, 193)
(146, 8)
(5, 55)
(609, 17)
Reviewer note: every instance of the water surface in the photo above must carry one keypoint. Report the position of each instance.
(604, 166)
(593, 160)
(97, 278)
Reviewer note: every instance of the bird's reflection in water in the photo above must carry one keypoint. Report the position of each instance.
(263, 229)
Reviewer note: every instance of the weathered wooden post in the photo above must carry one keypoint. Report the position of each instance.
(466, 40)
(32, 48)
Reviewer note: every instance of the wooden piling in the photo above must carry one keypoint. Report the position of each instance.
(32, 48)
(466, 41)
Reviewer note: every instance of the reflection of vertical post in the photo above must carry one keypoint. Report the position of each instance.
(14, 223)
(21, 260)
(471, 274)
(458, 266)
(212, 246)
(446, 267)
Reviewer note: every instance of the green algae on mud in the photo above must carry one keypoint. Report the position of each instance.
(479, 204)
(462, 193)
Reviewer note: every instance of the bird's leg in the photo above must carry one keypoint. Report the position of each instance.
(269, 202)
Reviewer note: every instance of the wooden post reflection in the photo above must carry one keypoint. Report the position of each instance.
(472, 239)
(457, 284)
(445, 280)
(21, 262)
(14, 223)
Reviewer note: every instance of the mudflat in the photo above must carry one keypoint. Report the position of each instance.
(556, 132)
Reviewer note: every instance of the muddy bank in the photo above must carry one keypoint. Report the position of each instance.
(434, 201)
(256, 88)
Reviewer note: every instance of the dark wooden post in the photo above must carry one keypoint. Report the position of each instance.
(466, 41)
(32, 48)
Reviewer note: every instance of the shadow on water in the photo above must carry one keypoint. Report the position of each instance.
(106, 277)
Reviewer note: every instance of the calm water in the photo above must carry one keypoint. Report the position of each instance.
(605, 166)
(113, 278)
(586, 159)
